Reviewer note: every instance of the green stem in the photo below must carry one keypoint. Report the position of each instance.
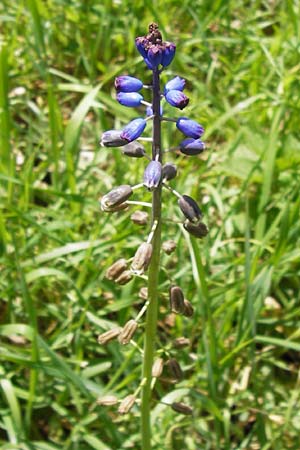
(152, 311)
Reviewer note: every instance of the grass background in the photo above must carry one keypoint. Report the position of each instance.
(58, 61)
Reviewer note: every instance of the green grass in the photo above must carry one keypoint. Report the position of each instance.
(58, 61)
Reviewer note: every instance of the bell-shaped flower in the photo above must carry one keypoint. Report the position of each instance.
(153, 175)
(168, 53)
(169, 171)
(134, 129)
(177, 99)
(191, 146)
(176, 83)
(154, 56)
(125, 83)
(190, 208)
(140, 44)
(130, 99)
(189, 127)
(112, 138)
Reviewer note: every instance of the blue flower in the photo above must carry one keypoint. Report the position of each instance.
(152, 175)
(189, 127)
(176, 83)
(191, 146)
(130, 99)
(154, 56)
(140, 44)
(125, 83)
(133, 130)
(177, 99)
(149, 111)
(168, 53)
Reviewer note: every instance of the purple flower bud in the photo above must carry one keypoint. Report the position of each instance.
(130, 99)
(112, 138)
(134, 129)
(154, 56)
(149, 111)
(177, 99)
(189, 127)
(176, 83)
(192, 146)
(152, 175)
(168, 53)
(190, 208)
(134, 149)
(140, 44)
(148, 64)
(169, 171)
(126, 83)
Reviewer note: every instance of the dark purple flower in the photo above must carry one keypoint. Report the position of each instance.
(176, 83)
(112, 138)
(191, 146)
(130, 99)
(134, 129)
(125, 83)
(177, 99)
(140, 44)
(190, 208)
(154, 56)
(189, 127)
(168, 53)
(169, 171)
(152, 175)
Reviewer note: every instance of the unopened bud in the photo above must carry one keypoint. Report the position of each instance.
(140, 217)
(115, 197)
(182, 408)
(115, 270)
(152, 175)
(176, 299)
(142, 258)
(126, 404)
(157, 367)
(109, 335)
(134, 149)
(169, 171)
(188, 310)
(169, 247)
(190, 208)
(199, 230)
(107, 400)
(175, 369)
(143, 293)
(127, 332)
(124, 278)
(181, 342)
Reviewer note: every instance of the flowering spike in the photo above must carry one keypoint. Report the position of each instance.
(168, 53)
(177, 99)
(130, 99)
(152, 175)
(112, 138)
(134, 129)
(176, 83)
(190, 208)
(191, 146)
(125, 83)
(189, 127)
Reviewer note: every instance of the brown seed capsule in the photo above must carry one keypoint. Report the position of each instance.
(182, 408)
(142, 258)
(115, 270)
(127, 332)
(169, 247)
(176, 299)
(181, 342)
(188, 310)
(107, 400)
(140, 217)
(143, 293)
(198, 230)
(117, 208)
(157, 367)
(115, 197)
(169, 171)
(126, 404)
(109, 335)
(124, 278)
(134, 149)
(174, 369)
(190, 208)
